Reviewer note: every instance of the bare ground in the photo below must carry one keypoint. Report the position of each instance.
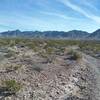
(62, 79)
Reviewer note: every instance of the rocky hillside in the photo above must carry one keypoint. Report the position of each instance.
(67, 74)
(95, 35)
(74, 34)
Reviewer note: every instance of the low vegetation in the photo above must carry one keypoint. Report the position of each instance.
(12, 68)
(52, 45)
(41, 62)
(90, 47)
(11, 86)
(74, 55)
(10, 54)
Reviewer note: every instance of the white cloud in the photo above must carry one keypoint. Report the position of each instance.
(58, 15)
(80, 10)
(90, 5)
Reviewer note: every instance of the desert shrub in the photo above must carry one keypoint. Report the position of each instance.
(11, 85)
(49, 50)
(60, 51)
(13, 68)
(74, 55)
(49, 56)
(43, 54)
(31, 45)
(51, 59)
(12, 43)
(16, 67)
(9, 54)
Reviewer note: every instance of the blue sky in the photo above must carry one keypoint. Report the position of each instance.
(43, 15)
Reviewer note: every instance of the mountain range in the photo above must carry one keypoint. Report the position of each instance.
(74, 34)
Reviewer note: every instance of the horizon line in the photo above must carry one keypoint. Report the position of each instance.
(21, 30)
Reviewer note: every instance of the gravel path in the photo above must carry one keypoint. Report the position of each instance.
(95, 65)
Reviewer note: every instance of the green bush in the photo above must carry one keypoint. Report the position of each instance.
(74, 55)
(12, 86)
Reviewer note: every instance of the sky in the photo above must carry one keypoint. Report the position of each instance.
(48, 15)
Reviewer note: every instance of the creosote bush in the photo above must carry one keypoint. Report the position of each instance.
(74, 55)
(11, 85)
(9, 54)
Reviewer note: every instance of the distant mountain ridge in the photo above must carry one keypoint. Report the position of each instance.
(74, 34)
(95, 35)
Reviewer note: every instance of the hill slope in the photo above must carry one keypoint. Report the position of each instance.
(74, 34)
(95, 35)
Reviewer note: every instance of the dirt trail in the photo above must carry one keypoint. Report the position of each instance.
(95, 65)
